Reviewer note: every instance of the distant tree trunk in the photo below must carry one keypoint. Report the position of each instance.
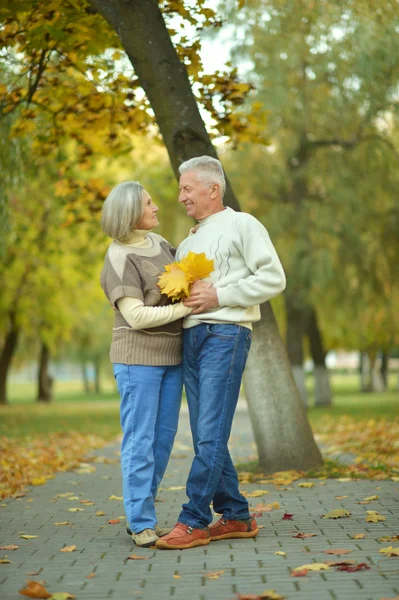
(162, 75)
(377, 383)
(6, 356)
(97, 376)
(364, 372)
(44, 380)
(321, 375)
(296, 326)
(384, 368)
(282, 432)
(85, 378)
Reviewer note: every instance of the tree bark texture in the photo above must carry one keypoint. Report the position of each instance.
(164, 78)
(44, 379)
(6, 356)
(321, 376)
(296, 328)
(281, 428)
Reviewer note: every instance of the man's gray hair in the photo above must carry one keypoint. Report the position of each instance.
(122, 210)
(209, 170)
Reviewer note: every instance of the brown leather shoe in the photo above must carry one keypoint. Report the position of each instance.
(182, 537)
(224, 529)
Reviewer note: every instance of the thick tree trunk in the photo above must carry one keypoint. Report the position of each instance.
(281, 428)
(384, 368)
(296, 327)
(145, 38)
(85, 378)
(321, 377)
(377, 383)
(44, 379)
(6, 356)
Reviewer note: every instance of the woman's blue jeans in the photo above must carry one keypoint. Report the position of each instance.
(149, 413)
(214, 358)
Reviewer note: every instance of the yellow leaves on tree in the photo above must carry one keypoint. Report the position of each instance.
(176, 280)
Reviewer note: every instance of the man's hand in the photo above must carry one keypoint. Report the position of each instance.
(202, 297)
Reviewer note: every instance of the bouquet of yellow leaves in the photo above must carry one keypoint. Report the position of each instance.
(175, 282)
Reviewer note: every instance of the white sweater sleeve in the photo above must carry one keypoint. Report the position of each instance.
(140, 316)
(266, 277)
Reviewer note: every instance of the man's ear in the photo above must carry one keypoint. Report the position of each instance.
(215, 190)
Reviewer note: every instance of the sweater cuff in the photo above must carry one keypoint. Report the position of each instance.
(223, 297)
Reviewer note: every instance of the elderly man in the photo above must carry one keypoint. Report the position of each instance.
(217, 339)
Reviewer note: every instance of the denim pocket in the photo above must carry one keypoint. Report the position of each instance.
(224, 332)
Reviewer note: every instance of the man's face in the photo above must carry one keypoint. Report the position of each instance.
(198, 198)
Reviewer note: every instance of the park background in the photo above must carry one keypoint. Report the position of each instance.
(303, 115)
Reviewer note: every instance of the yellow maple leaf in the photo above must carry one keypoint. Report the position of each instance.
(313, 567)
(390, 551)
(196, 266)
(306, 484)
(68, 548)
(338, 513)
(174, 282)
(374, 517)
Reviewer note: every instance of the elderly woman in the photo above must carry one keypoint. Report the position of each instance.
(145, 350)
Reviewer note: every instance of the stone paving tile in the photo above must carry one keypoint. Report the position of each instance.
(250, 566)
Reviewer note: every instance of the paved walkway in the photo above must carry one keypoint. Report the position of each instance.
(99, 568)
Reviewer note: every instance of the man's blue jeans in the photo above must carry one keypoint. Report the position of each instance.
(214, 358)
(149, 413)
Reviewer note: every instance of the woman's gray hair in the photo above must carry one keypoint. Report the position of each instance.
(122, 210)
(209, 170)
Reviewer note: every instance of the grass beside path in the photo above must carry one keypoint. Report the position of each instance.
(38, 439)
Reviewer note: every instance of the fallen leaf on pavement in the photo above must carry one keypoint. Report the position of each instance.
(34, 589)
(390, 551)
(12, 547)
(87, 502)
(337, 551)
(299, 573)
(266, 595)
(100, 513)
(26, 536)
(396, 598)
(62, 523)
(113, 521)
(68, 548)
(4, 561)
(255, 494)
(374, 517)
(287, 517)
(389, 538)
(39, 481)
(280, 553)
(76, 509)
(313, 567)
(341, 497)
(214, 574)
(62, 596)
(358, 536)
(91, 575)
(338, 513)
(338, 563)
(354, 568)
(112, 497)
(306, 484)
(302, 536)
(137, 557)
(32, 573)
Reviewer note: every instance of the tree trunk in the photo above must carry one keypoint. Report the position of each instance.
(384, 368)
(97, 376)
(6, 356)
(85, 378)
(321, 376)
(281, 428)
(164, 78)
(296, 326)
(44, 380)
(364, 372)
(377, 384)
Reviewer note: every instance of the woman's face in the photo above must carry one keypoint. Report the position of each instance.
(149, 218)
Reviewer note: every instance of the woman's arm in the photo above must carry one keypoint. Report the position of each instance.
(140, 316)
